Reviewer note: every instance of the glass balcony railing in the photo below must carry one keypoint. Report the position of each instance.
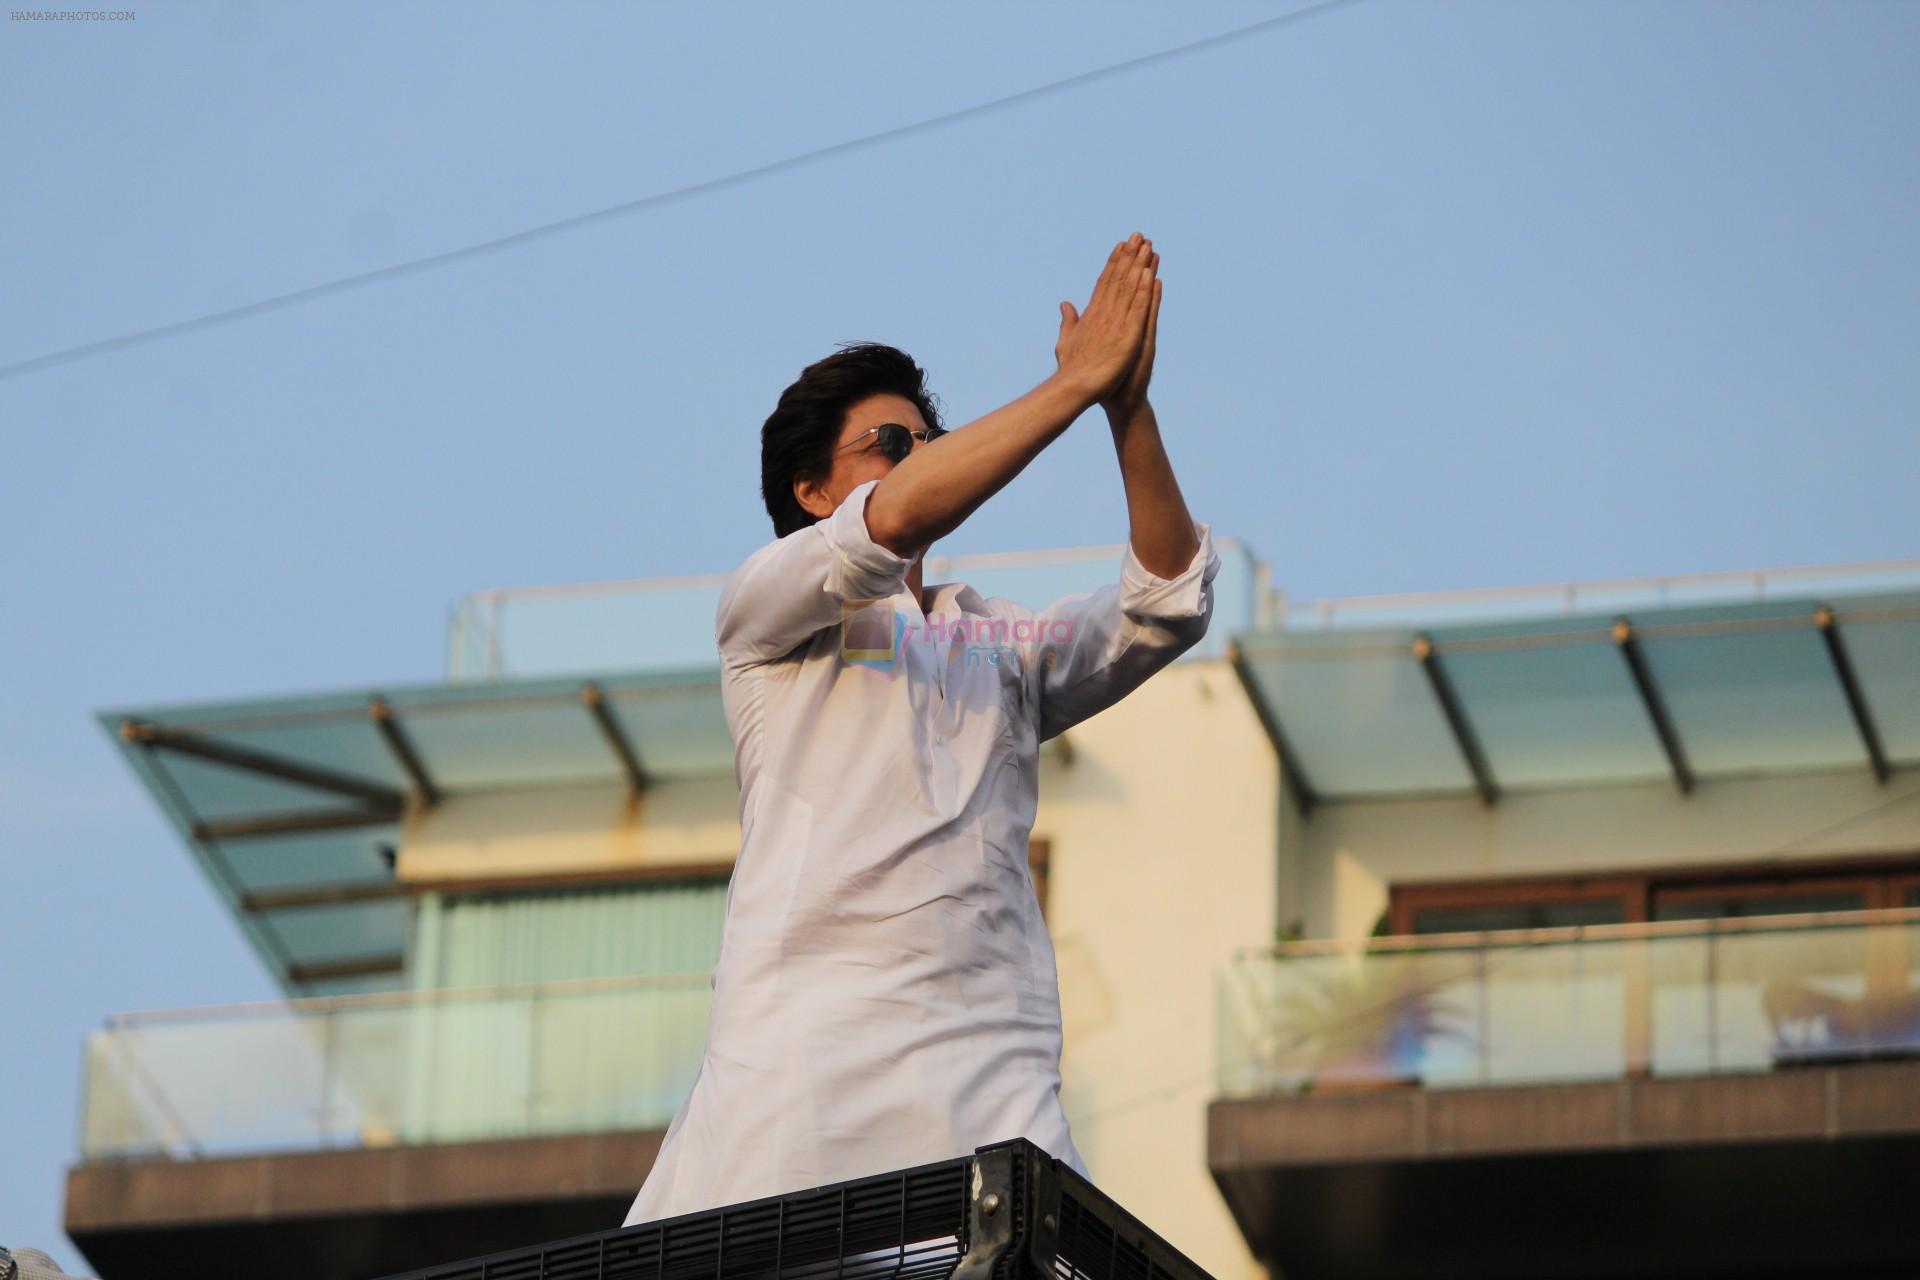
(663, 623)
(1614, 595)
(1593, 1002)
(397, 1068)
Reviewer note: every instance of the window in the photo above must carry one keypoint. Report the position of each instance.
(1471, 906)
(1731, 902)
(1668, 893)
(1544, 914)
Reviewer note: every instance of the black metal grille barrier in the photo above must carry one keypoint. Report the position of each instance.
(1010, 1211)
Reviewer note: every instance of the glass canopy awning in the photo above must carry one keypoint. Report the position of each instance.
(292, 806)
(1680, 693)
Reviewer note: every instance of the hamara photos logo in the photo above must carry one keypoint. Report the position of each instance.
(873, 633)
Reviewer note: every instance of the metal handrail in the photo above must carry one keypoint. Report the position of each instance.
(388, 999)
(705, 581)
(1553, 934)
(1759, 582)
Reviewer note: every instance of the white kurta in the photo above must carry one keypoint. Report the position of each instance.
(885, 994)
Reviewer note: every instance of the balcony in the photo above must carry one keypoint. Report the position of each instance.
(1740, 1094)
(369, 1134)
(1592, 1002)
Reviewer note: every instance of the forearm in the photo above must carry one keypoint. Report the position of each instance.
(937, 486)
(1159, 526)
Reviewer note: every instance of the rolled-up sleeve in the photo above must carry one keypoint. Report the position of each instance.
(1092, 650)
(793, 587)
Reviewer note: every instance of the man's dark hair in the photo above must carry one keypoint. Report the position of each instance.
(798, 437)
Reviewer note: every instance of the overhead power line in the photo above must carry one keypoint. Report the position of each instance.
(312, 293)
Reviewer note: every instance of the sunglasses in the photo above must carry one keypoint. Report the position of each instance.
(893, 440)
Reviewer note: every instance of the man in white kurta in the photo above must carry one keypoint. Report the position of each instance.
(886, 994)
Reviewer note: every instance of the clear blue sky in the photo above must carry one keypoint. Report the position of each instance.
(1456, 295)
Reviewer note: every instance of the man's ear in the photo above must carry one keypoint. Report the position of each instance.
(811, 493)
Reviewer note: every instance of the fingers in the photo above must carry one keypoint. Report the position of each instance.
(1108, 337)
(1144, 262)
(1141, 296)
(1149, 273)
(1101, 285)
(1153, 324)
(1114, 276)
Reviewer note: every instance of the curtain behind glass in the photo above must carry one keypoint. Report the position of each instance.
(580, 1062)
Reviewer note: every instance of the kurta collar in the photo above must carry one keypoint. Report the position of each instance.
(954, 597)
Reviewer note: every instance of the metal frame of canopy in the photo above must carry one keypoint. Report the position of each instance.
(292, 806)
(1685, 703)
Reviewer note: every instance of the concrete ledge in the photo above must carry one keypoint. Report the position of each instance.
(114, 1195)
(1852, 1100)
(1799, 1172)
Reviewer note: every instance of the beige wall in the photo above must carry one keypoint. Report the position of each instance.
(572, 829)
(1162, 835)
(1351, 852)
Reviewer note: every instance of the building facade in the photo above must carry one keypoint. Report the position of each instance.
(1561, 931)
